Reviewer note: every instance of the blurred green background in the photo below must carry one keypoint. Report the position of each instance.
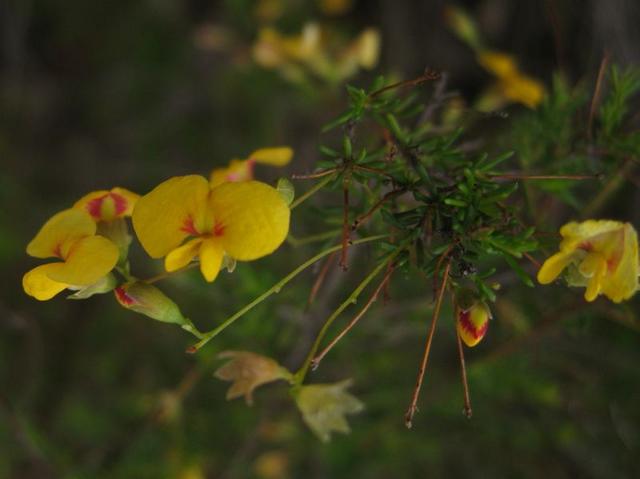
(127, 93)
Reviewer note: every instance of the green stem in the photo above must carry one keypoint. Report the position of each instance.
(208, 336)
(302, 372)
(319, 185)
(295, 242)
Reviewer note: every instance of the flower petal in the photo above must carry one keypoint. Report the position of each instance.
(182, 255)
(553, 266)
(161, 218)
(63, 228)
(211, 254)
(238, 170)
(623, 282)
(594, 267)
(499, 64)
(276, 156)
(89, 259)
(252, 216)
(37, 283)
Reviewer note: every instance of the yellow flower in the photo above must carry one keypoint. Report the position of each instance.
(106, 205)
(245, 220)
(242, 170)
(314, 51)
(70, 237)
(472, 323)
(599, 254)
(511, 85)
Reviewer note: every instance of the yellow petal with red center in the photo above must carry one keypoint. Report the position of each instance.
(553, 266)
(37, 283)
(211, 254)
(106, 205)
(276, 156)
(55, 236)
(238, 170)
(175, 209)
(622, 283)
(89, 259)
(130, 198)
(182, 255)
(252, 218)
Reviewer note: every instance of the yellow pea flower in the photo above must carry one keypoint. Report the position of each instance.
(106, 205)
(244, 220)
(242, 170)
(512, 84)
(472, 323)
(601, 255)
(70, 237)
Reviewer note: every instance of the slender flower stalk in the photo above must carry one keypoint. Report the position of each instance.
(208, 336)
(302, 372)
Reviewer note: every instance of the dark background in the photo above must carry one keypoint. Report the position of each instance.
(101, 94)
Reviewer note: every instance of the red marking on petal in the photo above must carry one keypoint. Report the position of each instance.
(218, 229)
(94, 207)
(57, 251)
(122, 296)
(189, 227)
(120, 203)
(469, 327)
(586, 246)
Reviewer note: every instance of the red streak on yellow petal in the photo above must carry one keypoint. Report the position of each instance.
(468, 326)
(189, 227)
(94, 207)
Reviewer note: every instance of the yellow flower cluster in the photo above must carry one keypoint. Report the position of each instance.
(601, 255)
(512, 85)
(312, 52)
(182, 218)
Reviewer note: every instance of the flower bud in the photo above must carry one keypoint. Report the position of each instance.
(472, 323)
(146, 299)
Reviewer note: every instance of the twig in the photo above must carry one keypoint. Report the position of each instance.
(345, 224)
(463, 371)
(385, 280)
(595, 100)
(311, 176)
(408, 418)
(522, 176)
(208, 336)
(313, 190)
(363, 218)
(428, 75)
(320, 279)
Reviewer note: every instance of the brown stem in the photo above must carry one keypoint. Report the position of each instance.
(463, 371)
(532, 260)
(520, 176)
(408, 418)
(385, 280)
(363, 218)
(345, 226)
(428, 75)
(320, 279)
(372, 170)
(595, 100)
(318, 174)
